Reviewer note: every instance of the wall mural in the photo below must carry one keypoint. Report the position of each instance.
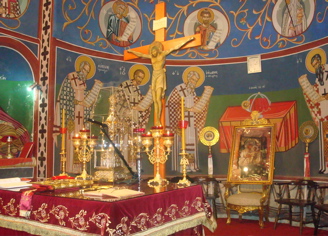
(211, 24)
(271, 26)
(77, 102)
(119, 23)
(316, 97)
(195, 113)
(292, 18)
(13, 10)
(274, 24)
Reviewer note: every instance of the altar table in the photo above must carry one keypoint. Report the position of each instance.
(163, 213)
(17, 167)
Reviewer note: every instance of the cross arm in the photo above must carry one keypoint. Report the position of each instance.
(167, 45)
(180, 45)
(139, 54)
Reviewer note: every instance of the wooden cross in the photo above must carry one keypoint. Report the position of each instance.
(160, 35)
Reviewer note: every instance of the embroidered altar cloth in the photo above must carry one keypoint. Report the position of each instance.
(162, 213)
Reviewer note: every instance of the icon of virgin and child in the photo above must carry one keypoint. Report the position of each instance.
(250, 159)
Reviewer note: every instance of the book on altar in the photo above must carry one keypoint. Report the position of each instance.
(12, 183)
(114, 193)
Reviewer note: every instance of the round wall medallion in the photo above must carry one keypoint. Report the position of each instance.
(308, 132)
(209, 136)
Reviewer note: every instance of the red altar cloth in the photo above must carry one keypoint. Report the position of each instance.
(282, 114)
(155, 214)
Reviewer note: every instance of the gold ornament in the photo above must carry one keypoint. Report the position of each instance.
(245, 104)
(209, 136)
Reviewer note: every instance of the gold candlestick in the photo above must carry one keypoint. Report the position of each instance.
(63, 145)
(159, 153)
(84, 146)
(9, 141)
(184, 160)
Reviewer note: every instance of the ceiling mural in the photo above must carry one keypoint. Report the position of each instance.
(225, 26)
(15, 14)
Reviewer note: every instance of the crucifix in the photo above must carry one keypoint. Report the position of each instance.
(157, 52)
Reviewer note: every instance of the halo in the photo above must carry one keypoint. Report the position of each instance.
(140, 67)
(119, 2)
(157, 44)
(209, 136)
(201, 10)
(308, 132)
(309, 56)
(80, 59)
(196, 69)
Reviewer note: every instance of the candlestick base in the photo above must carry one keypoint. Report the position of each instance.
(9, 156)
(84, 176)
(158, 181)
(184, 183)
(64, 174)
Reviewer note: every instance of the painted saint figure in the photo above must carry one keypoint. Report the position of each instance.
(195, 113)
(130, 96)
(205, 27)
(77, 102)
(321, 72)
(250, 159)
(294, 19)
(316, 98)
(250, 155)
(158, 86)
(117, 25)
(10, 8)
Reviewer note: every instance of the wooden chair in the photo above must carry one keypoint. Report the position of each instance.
(300, 194)
(248, 197)
(321, 208)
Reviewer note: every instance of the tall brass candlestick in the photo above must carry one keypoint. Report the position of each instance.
(184, 160)
(63, 144)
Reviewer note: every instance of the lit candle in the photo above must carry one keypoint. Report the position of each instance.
(168, 134)
(84, 130)
(76, 140)
(76, 136)
(148, 134)
(141, 130)
(93, 137)
(157, 127)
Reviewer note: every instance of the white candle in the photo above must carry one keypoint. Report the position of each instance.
(183, 142)
(63, 130)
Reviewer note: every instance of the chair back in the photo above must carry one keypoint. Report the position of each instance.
(300, 190)
(250, 188)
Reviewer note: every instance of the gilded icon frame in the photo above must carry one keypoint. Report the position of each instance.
(252, 154)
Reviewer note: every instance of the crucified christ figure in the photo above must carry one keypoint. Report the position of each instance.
(158, 84)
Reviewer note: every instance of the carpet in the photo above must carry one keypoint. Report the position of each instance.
(252, 228)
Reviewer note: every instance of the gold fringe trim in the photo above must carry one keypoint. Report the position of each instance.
(37, 228)
(181, 224)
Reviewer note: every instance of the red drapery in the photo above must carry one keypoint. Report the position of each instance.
(282, 114)
(177, 210)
